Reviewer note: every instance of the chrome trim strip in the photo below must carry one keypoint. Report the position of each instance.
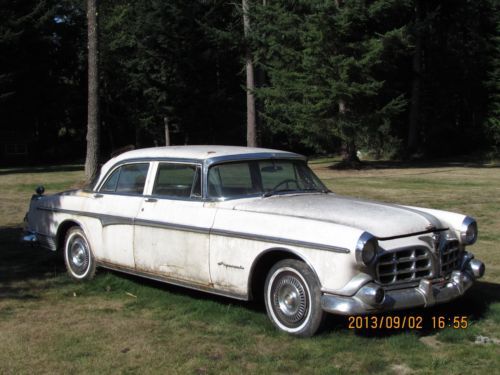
(279, 240)
(173, 226)
(186, 284)
(105, 219)
(119, 220)
(412, 234)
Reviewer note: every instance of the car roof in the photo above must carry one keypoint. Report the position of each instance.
(198, 152)
(206, 154)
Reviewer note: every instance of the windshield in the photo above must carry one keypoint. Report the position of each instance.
(261, 177)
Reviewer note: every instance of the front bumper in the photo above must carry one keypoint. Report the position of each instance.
(427, 293)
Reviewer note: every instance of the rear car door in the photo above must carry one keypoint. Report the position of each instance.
(172, 226)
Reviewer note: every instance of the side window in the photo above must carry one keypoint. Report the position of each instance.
(128, 179)
(132, 178)
(110, 185)
(177, 180)
(230, 180)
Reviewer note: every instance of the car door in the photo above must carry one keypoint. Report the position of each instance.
(115, 204)
(172, 226)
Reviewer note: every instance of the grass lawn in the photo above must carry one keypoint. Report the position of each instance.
(123, 324)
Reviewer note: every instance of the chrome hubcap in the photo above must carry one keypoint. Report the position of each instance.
(78, 255)
(289, 299)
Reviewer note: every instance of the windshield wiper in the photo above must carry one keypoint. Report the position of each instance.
(274, 192)
(324, 191)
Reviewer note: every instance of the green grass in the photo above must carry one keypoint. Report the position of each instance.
(123, 324)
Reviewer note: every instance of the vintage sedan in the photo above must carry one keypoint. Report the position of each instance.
(253, 223)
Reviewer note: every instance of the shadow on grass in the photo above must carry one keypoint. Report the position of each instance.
(257, 306)
(474, 305)
(389, 164)
(41, 169)
(24, 270)
(23, 266)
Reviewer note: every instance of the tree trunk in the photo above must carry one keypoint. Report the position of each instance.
(413, 126)
(250, 84)
(350, 151)
(167, 131)
(93, 136)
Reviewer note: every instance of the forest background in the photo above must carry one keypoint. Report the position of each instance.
(380, 79)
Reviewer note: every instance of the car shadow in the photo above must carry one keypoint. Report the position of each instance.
(22, 267)
(474, 305)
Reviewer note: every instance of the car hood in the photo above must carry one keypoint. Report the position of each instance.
(380, 219)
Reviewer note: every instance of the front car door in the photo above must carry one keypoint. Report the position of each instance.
(172, 227)
(116, 203)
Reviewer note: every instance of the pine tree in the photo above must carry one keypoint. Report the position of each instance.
(493, 83)
(323, 61)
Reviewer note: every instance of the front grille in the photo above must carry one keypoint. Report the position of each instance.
(450, 257)
(404, 265)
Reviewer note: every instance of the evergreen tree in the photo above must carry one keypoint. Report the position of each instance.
(161, 60)
(325, 62)
(40, 74)
(493, 84)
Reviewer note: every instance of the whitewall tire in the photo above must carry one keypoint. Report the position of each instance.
(293, 298)
(78, 256)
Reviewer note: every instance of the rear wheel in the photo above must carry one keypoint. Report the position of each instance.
(293, 298)
(78, 256)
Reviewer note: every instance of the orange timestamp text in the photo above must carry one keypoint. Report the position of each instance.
(407, 322)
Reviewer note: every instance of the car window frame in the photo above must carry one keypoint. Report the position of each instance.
(210, 198)
(121, 165)
(192, 198)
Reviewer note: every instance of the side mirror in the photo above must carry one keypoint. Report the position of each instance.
(40, 190)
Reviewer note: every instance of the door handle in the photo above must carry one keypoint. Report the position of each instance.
(97, 195)
(151, 199)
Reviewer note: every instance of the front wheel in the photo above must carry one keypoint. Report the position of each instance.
(293, 298)
(78, 255)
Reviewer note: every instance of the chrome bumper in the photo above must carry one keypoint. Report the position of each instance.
(37, 239)
(29, 238)
(427, 293)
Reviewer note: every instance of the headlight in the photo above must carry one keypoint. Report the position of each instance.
(468, 231)
(366, 249)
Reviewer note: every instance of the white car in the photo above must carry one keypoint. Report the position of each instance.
(256, 223)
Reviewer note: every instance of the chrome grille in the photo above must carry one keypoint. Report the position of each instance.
(404, 265)
(450, 257)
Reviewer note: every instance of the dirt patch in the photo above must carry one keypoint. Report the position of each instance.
(401, 369)
(431, 341)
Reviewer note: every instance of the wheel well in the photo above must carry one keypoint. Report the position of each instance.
(261, 268)
(62, 230)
